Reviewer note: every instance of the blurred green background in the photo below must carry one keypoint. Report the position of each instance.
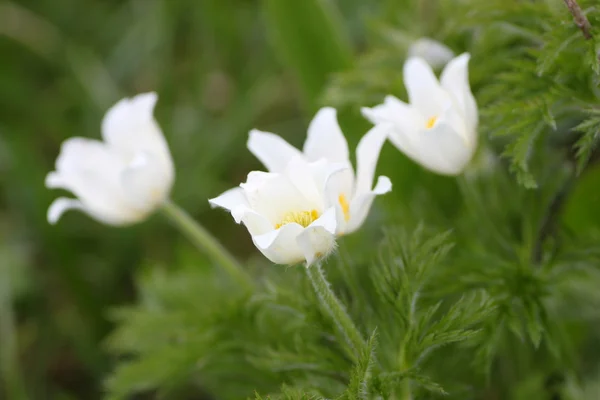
(221, 68)
(219, 71)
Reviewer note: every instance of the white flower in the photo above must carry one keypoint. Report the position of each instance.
(124, 178)
(435, 53)
(438, 129)
(295, 211)
(353, 194)
(286, 212)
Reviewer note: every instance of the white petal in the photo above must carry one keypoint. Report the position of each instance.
(405, 119)
(393, 110)
(271, 150)
(273, 196)
(325, 138)
(79, 154)
(322, 172)
(455, 80)
(442, 149)
(361, 204)
(383, 186)
(60, 205)
(339, 190)
(367, 154)
(281, 246)
(424, 91)
(292, 243)
(318, 239)
(433, 52)
(376, 115)
(92, 171)
(234, 200)
(145, 182)
(300, 175)
(256, 179)
(407, 141)
(55, 181)
(230, 199)
(63, 204)
(130, 126)
(253, 221)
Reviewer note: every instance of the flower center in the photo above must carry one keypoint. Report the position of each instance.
(431, 122)
(345, 206)
(302, 218)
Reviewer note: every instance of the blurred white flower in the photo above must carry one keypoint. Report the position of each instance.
(124, 178)
(435, 53)
(438, 129)
(295, 211)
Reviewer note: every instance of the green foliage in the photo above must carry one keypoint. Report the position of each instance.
(403, 282)
(543, 71)
(362, 373)
(288, 393)
(290, 338)
(314, 49)
(590, 134)
(475, 287)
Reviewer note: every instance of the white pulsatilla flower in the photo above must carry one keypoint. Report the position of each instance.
(120, 180)
(438, 129)
(286, 212)
(433, 52)
(295, 211)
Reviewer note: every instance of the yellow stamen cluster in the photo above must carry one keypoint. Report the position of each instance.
(345, 206)
(302, 218)
(431, 122)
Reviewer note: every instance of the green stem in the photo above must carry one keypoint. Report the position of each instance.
(405, 393)
(205, 242)
(335, 308)
(10, 368)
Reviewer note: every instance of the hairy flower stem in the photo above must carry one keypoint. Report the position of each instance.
(205, 242)
(335, 308)
(12, 379)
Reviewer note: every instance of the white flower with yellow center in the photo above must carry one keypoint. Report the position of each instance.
(124, 178)
(438, 129)
(286, 212)
(295, 211)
